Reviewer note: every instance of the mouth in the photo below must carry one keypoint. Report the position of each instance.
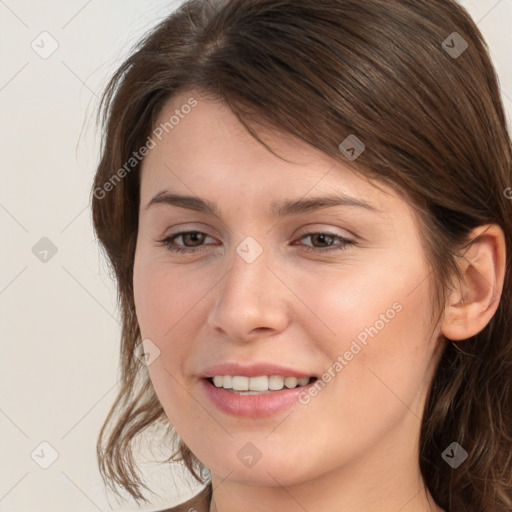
(263, 384)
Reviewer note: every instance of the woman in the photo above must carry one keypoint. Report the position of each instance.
(304, 204)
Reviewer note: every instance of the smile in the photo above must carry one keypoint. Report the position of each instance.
(261, 384)
(250, 403)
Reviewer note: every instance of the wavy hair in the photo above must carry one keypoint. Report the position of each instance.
(431, 117)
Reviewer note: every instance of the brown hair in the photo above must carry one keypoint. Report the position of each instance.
(434, 129)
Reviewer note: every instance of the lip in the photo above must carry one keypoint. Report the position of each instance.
(252, 406)
(253, 370)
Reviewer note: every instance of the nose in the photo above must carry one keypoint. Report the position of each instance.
(250, 301)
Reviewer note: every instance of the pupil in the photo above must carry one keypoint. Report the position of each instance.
(195, 237)
(323, 238)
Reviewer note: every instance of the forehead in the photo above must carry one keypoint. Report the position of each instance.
(202, 148)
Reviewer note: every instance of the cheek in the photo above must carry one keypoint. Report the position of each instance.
(378, 324)
(164, 297)
(167, 306)
(352, 302)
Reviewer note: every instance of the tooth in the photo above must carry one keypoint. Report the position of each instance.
(258, 383)
(275, 382)
(290, 382)
(240, 383)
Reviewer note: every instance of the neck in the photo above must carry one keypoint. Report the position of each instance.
(259, 501)
(231, 498)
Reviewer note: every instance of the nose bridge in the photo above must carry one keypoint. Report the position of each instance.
(248, 281)
(250, 296)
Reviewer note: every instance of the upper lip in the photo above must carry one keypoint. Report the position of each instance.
(253, 370)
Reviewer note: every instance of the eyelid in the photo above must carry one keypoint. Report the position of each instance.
(340, 246)
(327, 229)
(323, 232)
(191, 227)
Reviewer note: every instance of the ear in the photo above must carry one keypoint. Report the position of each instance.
(473, 303)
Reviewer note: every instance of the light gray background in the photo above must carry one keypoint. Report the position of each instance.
(59, 324)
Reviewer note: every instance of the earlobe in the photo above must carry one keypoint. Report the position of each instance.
(473, 303)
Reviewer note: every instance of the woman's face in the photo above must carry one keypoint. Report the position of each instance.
(296, 268)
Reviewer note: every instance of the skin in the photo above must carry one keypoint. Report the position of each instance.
(356, 443)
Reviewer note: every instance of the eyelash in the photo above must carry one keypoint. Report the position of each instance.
(167, 241)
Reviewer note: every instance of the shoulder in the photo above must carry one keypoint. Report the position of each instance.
(199, 503)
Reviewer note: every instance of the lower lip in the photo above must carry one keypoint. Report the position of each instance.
(253, 406)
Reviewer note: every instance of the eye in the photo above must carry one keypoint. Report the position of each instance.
(192, 241)
(326, 241)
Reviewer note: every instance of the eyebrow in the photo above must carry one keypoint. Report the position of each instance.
(292, 207)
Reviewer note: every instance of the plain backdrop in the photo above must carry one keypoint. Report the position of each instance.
(59, 322)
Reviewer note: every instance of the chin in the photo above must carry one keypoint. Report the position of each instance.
(264, 473)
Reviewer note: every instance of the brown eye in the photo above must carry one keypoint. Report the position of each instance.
(192, 238)
(192, 241)
(323, 242)
(322, 238)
